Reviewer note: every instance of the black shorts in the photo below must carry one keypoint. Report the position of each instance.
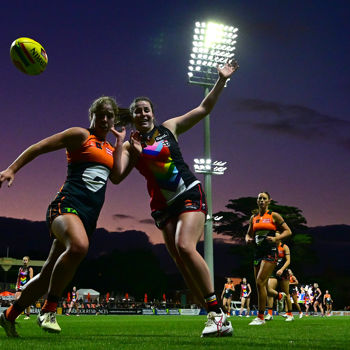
(284, 276)
(319, 300)
(61, 205)
(268, 252)
(293, 289)
(191, 200)
(228, 295)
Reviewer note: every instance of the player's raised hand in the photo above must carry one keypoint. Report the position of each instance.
(228, 69)
(7, 175)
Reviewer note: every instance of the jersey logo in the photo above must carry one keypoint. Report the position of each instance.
(95, 177)
(160, 137)
(71, 210)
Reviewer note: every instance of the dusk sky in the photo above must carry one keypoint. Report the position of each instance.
(282, 124)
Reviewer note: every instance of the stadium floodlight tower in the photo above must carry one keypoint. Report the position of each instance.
(213, 44)
(207, 166)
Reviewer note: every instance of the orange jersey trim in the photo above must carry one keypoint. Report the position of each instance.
(264, 222)
(281, 253)
(93, 150)
(229, 286)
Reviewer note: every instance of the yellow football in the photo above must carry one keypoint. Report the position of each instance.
(28, 56)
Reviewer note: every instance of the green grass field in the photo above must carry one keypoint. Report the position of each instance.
(179, 332)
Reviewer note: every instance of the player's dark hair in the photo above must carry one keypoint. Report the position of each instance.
(268, 194)
(138, 99)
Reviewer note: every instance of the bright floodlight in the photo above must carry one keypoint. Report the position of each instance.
(213, 44)
(206, 166)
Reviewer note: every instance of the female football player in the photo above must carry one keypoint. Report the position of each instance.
(280, 278)
(317, 302)
(293, 291)
(25, 274)
(227, 294)
(72, 215)
(328, 302)
(178, 203)
(262, 232)
(74, 302)
(246, 290)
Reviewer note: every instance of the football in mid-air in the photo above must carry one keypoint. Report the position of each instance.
(28, 56)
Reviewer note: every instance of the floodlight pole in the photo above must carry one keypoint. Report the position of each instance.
(212, 45)
(208, 227)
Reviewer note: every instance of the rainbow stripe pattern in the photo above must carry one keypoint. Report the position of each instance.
(161, 165)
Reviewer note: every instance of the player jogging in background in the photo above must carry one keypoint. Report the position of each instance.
(74, 302)
(317, 301)
(246, 291)
(178, 204)
(262, 233)
(308, 299)
(25, 273)
(227, 294)
(328, 302)
(72, 215)
(293, 291)
(280, 277)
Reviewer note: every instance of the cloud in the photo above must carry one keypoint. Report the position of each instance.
(129, 217)
(294, 120)
(146, 221)
(279, 31)
(122, 216)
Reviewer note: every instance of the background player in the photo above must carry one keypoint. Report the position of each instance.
(293, 291)
(262, 232)
(74, 302)
(317, 301)
(328, 302)
(280, 277)
(246, 290)
(25, 273)
(227, 294)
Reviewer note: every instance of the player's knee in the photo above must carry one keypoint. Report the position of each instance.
(260, 283)
(185, 250)
(79, 249)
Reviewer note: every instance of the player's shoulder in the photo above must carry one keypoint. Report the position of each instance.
(76, 133)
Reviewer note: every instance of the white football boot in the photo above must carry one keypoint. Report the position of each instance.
(281, 302)
(268, 317)
(289, 318)
(217, 325)
(48, 323)
(257, 322)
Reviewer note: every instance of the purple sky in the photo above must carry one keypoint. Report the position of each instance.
(283, 122)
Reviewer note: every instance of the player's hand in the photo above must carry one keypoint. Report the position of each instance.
(120, 135)
(248, 239)
(7, 175)
(228, 69)
(279, 272)
(135, 142)
(271, 239)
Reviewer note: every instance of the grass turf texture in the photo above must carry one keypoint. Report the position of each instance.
(179, 332)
